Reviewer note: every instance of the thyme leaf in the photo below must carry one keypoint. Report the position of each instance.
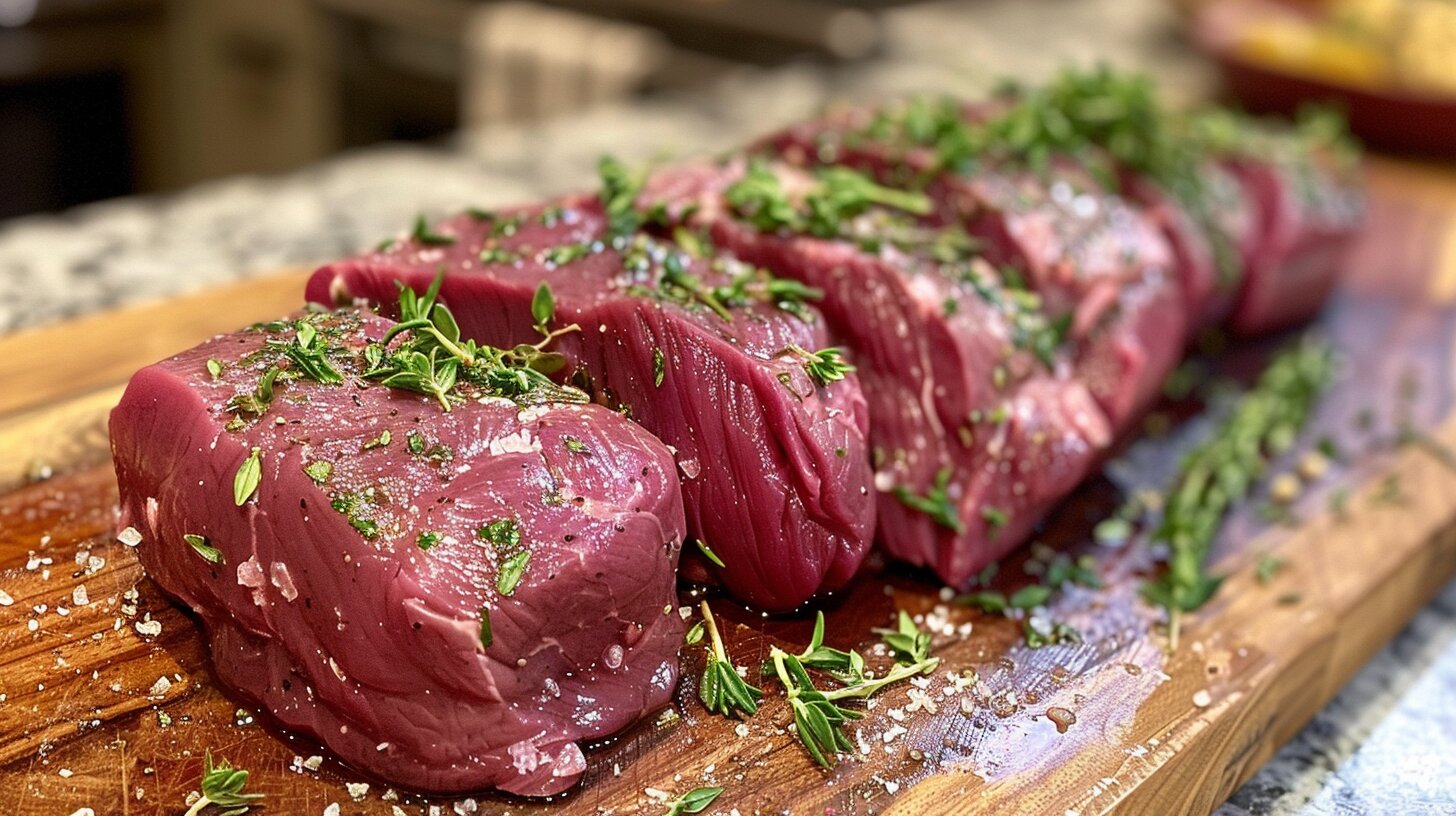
(721, 689)
(222, 785)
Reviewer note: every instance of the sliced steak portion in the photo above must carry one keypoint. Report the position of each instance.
(974, 435)
(393, 582)
(708, 353)
(1084, 250)
(1307, 207)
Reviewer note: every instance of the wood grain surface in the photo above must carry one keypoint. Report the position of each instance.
(107, 703)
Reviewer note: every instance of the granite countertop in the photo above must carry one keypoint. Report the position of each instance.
(1385, 745)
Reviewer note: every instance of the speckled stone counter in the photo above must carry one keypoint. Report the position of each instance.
(1385, 745)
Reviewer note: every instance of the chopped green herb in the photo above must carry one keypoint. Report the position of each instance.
(435, 358)
(204, 548)
(415, 442)
(620, 189)
(936, 502)
(214, 367)
(369, 528)
(487, 637)
(512, 570)
(694, 634)
(222, 786)
(249, 474)
(708, 552)
(908, 643)
(659, 367)
(383, 439)
(995, 518)
(423, 235)
(1269, 564)
(696, 800)
(427, 539)
(1030, 596)
(565, 254)
(575, 445)
(1390, 491)
(504, 533)
(543, 308)
(258, 401)
(319, 470)
(498, 255)
(987, 600)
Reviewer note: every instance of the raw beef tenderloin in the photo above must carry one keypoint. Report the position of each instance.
(975, 432)
(449, 601)
(708, 353)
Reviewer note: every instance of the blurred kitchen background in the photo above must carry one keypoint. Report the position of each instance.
(102, 98)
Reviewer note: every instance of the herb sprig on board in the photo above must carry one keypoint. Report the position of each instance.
(222, 787)
(819, 719)
(696, 800)
(721, 689)
(1223, 471)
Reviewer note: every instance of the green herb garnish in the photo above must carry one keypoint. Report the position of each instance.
(721, 689)
(620, 189)
(543, 308)
(696, 800)
(434, 358)
(204, 548)
(249, 474)
(824, 366)
(512, 570)
(936, 502)
(257, 402)
(708, 552)
(222, 786)
(1224, 470)
(214, 367)
(487, 637)
(818, 718)
(422, 234)
(319, 471)
(1269, 565)
(694, 635)
(427, 539)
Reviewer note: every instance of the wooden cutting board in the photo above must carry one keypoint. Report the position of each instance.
(107, 703)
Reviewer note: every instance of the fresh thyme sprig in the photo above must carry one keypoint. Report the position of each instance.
(721, 689)
(840, 195)
(818, 718)
(222, 787)
(435, 358)
(824, 366)
(1224, 469)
